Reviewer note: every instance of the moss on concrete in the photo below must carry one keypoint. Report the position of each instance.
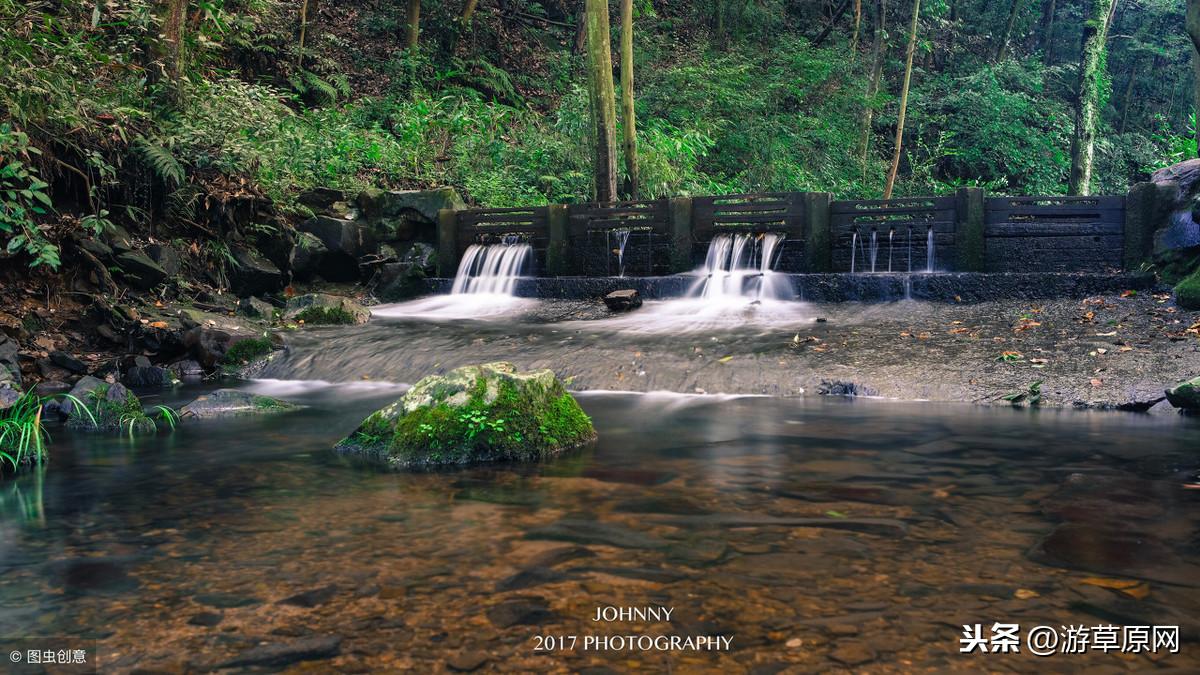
(475, 414)
(1187, 293)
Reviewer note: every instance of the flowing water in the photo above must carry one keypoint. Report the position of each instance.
(622, 237)
(811, 533)
(483, 286)
(929, 267)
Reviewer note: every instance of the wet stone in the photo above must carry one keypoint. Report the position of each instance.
(467, 662)
(531, 611)
(206, 619)
(558, 556)
(592, 532)
(317, 596)
(853, 653)
(528, 578)
(225, 600)
(285, 653)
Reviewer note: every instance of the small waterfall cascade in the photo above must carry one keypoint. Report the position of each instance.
(929, 251)
(622, 238)
(891, 236)
(741, 266)
(853, 251)
(491, 269)
(874, 250)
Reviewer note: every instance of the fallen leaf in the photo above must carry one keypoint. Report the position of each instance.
(158, 324)
(1115, 584)
(1128, 294)
(835, 514)
(726, 359)
(1106, 334)
(1096, 382)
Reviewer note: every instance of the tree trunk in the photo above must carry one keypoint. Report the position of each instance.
(303, 28)
(908, 62)
(414, 24)
(864, 141)
(1087, 103)
(604, 107)
(1002, 45)
(173, 29)
(1133, 72)
(832, 22)
(628, 118)
(1048, 33)
(857, 26)
(1193, 29)
(468, 12)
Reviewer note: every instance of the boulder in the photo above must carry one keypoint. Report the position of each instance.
(10, 370)
(69, 363)
(623, 301)
(1185, 395)
(112, 407)
(255, 308)
(307, 256)
(51, 388)
(139, 270)
(1186, 175)
(1181, 229)
(187, 371)
(9, 395)
(147, 377)
(322, 309)
(166, 257)
(82, 391)
(321, 199)
(254, 274)
(117, 238)
(473, 414)
(234, 403)
(345, 242)
(208, 345)
(1187, 293)
(376, 204)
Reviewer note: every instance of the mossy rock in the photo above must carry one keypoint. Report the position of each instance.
(234, 403)
(1185, 395)
(112, 407)
(319, 309)
(473, 414)
(1187, 293)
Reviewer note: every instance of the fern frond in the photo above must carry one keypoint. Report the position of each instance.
(160, 159)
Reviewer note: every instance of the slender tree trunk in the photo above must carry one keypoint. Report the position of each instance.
(414, 24)
(303, 28)
(908, 63)
(1002, 44)
(628, 119)
(1133, 72)
(1048, 32)
(1193, 29)
(857, 26)
(580, 30)
(468, 12)
(864, 141)
(837, 15)
(173, 30)
(1087, 102)
(604, 107)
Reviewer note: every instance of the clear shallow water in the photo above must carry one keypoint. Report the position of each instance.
(863, 528)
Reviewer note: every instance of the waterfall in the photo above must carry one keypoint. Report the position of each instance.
(622, 239)
(929, 251)
(874, 248)
(853, 250)
(741, 266)
(491, 268)
(909, 244)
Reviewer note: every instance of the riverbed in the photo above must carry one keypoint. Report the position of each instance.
(815, 534)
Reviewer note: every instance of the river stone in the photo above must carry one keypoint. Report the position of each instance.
(307, 255)
(623, 300)
(8, 396)
(1185, 395)
(254, 274)
(280, 654)
(234, 403)
(303, 307)
(140, 270)
(10, 369)
(375, 203)
(473, 414)
(111, 407)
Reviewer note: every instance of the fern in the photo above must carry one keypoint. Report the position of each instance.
(161, 161)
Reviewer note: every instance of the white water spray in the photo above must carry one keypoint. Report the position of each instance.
(929, 251)
(740, 266)
(491, 269)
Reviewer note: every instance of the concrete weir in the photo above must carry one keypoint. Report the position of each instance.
(956, 287)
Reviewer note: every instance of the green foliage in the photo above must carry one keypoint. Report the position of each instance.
(245, 351)
(325, 316)
(22, 435)
(23, 197)
(1032, 395)
(1187, 293)
(102, 413)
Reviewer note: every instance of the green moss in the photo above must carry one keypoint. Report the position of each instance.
(326, 316)
(512, 427)
(245, 351)
(1187, 293)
